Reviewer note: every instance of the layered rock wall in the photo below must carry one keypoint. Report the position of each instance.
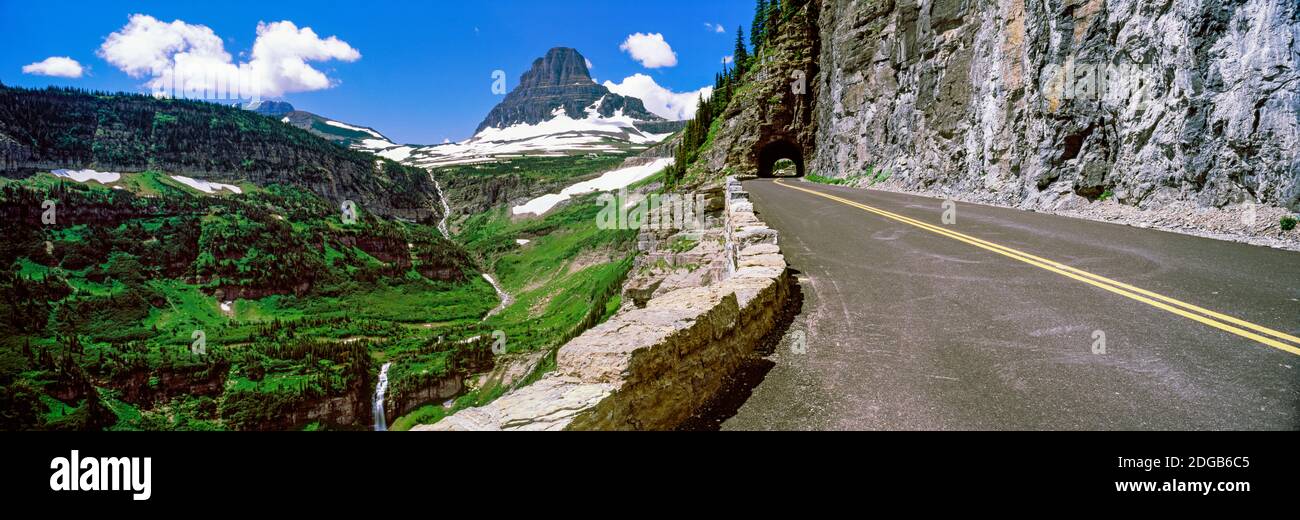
(1041, 103)
(560, 80)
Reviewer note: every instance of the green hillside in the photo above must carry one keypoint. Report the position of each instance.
(101, 311)
(41, 130)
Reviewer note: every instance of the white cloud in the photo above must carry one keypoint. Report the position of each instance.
(589, 65)
(146, 44)
(193, 54)
(281, 53)
(728, 59)
(57, 66)
(659, 100)
(650, 49)
(715, 27)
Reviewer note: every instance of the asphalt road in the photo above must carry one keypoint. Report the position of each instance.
(909, 326)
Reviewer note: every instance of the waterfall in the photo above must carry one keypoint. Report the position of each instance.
(377, 406)
(446, 208)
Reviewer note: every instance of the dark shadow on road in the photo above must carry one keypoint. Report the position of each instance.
(737, 387)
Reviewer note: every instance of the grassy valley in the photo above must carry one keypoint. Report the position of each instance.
(564, 274)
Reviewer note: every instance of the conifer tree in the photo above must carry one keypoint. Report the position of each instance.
(756, 29)
(772, 25)
(741, 55)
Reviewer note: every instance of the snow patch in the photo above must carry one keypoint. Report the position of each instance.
(398, 154)
(561, 123)
(506, 300)
(375, 144)
(356, 129)
(561, 133)
(608, 181)
(205, 186)
(88, 175)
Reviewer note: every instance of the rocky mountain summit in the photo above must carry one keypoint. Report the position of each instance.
(560, 79)
(269, 108)
(555, 108)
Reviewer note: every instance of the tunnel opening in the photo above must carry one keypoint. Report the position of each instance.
(780, 159)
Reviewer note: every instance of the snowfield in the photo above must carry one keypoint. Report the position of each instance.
(561, 124)
(88, 175)
(356, 129)
(385, 148)
(375, 144)
(548, 138)
(205, 186)
(556, 137)
(608, 181)
(398, 154)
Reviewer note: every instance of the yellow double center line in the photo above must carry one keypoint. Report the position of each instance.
(1217, 320)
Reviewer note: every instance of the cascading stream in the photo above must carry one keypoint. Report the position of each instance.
(377, 405)
(506, 300)
(501, 293)
(446, 208)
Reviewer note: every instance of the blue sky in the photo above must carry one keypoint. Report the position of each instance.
(425, 68)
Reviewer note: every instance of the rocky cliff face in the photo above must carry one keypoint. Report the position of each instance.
(1042, 104)
(560, 79)
(772, 115)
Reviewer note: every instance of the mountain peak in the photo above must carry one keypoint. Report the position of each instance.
(561, 66)
(269, 108)
(560, 79)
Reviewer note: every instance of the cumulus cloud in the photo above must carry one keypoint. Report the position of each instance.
(658, 100)
(182, 55)
(650, 50)
(57, 66)
(282, 50)
(728, 59)
(146, 45)
(715, 27)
